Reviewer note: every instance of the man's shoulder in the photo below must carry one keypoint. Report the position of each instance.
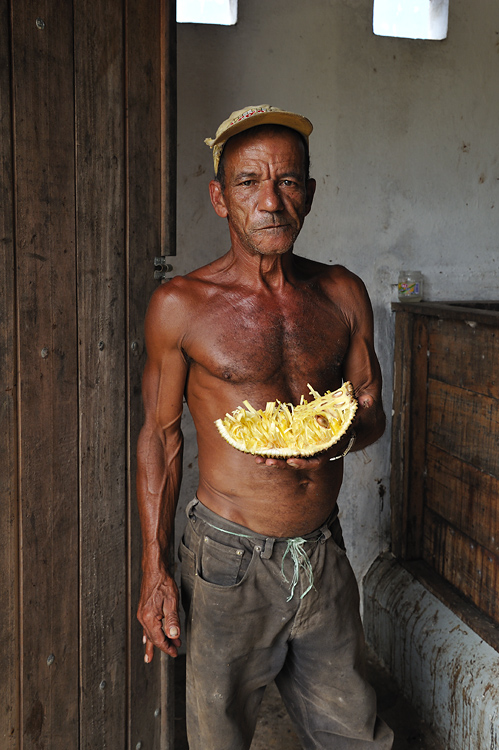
(343, 288)
(330, 273)
(169, 296)
(175, 302)
(183, 289)
(347, 290)
(345, 278)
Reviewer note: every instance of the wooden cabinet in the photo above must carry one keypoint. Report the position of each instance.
(445, 447)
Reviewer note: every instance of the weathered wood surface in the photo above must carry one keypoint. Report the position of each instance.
(88, 168)
(465, 355)
(400, 451)
(9, 549)
(447, 487)
(408, 435)
(101, 254)
(481, 312)
(151, 226)
(418, 405)
(168, 126)
(47, 345)
(465, 496)
(463, 562)
(464, 424)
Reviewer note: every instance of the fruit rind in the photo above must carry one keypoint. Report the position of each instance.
(282, 430)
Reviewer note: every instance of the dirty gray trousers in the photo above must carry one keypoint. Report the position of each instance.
(244, 630)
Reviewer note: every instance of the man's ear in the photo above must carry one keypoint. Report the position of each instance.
(217, 199)
(311, 185)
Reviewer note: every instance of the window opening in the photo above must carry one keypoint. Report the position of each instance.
(411, 19)
(220, 12)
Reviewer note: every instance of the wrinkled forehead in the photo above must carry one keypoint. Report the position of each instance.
(279, 140)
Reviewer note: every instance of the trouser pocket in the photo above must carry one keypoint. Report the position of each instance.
(222, 564)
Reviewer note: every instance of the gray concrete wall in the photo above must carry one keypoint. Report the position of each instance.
(405, 152)
(446, 671)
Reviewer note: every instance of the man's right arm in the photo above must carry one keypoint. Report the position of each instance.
(159, 471)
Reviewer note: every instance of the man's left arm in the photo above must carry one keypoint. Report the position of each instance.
(361, 368)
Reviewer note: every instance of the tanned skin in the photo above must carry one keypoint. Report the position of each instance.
(258, 324)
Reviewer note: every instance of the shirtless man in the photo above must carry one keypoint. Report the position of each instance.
(266, 586)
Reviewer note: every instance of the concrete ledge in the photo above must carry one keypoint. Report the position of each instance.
(448, 673)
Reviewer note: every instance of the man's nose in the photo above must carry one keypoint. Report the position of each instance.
(269, 198)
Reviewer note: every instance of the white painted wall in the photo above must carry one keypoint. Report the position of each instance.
(405, 151)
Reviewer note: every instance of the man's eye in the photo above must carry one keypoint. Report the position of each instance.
(288, 183)
(247, 183)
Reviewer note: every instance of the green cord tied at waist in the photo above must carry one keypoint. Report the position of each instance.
(301, 561)
(298, 555)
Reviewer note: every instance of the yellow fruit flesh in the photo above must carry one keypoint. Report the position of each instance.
(283, 430)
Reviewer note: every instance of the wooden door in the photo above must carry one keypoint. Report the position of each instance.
(87, 165)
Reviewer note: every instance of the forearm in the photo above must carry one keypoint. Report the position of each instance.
(369, 423)
(158, 485)
(159, 475)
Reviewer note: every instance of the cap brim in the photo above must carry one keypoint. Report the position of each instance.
(288, 119)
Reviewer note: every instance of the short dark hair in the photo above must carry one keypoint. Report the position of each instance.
(220, 177)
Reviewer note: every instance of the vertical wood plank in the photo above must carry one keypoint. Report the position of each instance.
(9, 548)
(44, 168)
(151, 137)
(100, 165)
(401, 425)
(416, 472)
(144, 77)
(168, 89)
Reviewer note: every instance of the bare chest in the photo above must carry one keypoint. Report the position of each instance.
(270, 346)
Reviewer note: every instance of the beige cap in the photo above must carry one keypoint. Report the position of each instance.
(249, 117)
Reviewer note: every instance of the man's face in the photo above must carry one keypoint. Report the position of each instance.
(266, 195)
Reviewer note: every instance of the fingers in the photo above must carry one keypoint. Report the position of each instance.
(276, 463)
(149, 650)
(164, 636)
(171, 627)
(304, 463)
(158, 614)
(366, 400)
(294, 462)
(168, 646)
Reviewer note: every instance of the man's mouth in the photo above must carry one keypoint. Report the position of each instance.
(270, 226)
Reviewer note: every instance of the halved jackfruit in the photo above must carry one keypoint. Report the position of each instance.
(283, 430)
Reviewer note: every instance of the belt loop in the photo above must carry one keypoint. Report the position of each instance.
(268, 548)
(189, 511)
(325, 533)
(325, 529)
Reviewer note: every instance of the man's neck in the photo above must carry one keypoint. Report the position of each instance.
(255, 269)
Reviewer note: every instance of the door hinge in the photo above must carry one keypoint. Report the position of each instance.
(161, 268)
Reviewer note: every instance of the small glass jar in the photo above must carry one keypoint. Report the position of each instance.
(410, 286)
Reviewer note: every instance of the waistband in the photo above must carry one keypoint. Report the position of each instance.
(196, 507)
(264, 545)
